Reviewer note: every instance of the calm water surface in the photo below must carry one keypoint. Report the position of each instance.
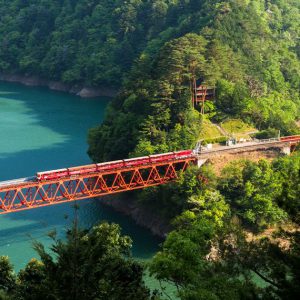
(44, 130)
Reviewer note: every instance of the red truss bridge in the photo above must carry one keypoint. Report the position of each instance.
(95, 180)
(77, 183)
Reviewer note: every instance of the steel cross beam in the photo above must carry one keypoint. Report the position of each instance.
(33, 194)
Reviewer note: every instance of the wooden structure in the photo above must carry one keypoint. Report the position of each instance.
(201, 93)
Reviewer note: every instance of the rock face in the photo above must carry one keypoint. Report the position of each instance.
(142, 216)
(96, 92)
(29, 81)
(58, 86)
(82, 91)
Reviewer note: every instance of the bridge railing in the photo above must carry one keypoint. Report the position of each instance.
(267, 140)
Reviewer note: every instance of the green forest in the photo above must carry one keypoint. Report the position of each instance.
(235, 234)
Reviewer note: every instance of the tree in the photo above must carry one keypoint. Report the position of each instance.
(252, 190)
(275, 260)
(232, 98)
(7, 275)
(189, 259)
(31, 282)
(90, 265)
(288, 169)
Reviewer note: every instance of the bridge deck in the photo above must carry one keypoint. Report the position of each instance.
(245, 146)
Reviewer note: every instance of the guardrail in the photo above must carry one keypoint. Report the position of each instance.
(267, 140)
(253, 143)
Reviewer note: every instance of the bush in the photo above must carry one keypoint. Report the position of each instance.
(220, 140)
(266, 134)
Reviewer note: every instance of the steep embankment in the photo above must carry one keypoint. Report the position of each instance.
(143, 216)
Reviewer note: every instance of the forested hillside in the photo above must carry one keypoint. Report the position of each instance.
(90, 41)
(248, 49)
(96, 41)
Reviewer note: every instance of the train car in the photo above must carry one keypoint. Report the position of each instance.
(110, 165)
(183, 154)
(128, 163)
(82, 170)
(290, 138)
(54, 174)
(156, 158)
(139, 161)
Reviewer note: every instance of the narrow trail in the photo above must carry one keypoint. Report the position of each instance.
(220, 129)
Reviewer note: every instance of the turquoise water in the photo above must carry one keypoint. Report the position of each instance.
(44, 130)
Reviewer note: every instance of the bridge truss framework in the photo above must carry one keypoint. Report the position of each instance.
(35, 194)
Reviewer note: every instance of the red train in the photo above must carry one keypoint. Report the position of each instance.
(126, 163)
(292, 138)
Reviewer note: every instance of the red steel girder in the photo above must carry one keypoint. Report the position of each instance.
(33, 194)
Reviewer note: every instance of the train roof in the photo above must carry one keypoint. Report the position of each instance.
(82, 167)
(136, 158)
(52, 171)
(109, 162)
(184, 151)
(162, 154)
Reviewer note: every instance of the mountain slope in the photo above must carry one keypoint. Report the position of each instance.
(248, 49)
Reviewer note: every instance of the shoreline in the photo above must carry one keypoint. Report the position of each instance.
(141, 215)
(78, 90)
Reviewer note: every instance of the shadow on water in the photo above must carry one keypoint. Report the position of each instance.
(53, 129)
(55, 125)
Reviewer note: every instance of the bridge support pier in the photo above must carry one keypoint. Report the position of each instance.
(201, 162)
(286, 150)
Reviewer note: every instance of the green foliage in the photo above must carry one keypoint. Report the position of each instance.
(171, 200)
(280, 265)
(209, 130)
(71, 41)
(7, 276)
(250, 50)
(274, 111)
(252, 190)
(288, 169)
(268, 258)
(267, 134)
(262, 194)
(94, 264)
(247, 49)
(189, 259)
(236, 127)
(210, 205)
(31, 282)
(220, 140)
(232, 98)
(154, 114)
(178, 262)
(4, 296)
(207, 260)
